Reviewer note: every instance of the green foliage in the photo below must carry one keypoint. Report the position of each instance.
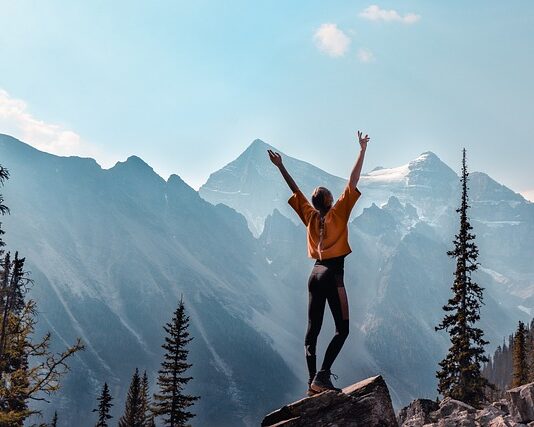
(520, 373)
(171, 403)
(460, 375)
(134, 411)
(148, 417)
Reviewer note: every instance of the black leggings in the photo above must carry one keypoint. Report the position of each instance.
(326, 284)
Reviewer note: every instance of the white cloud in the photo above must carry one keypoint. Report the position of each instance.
(331, 40)
(374, 13)
(365, 55)
(17, 121)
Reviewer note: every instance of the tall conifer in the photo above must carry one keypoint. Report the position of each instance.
(134, 415)
(520, 374)
(460, 375)
(171, 402)
(104, 406)
(146, 402)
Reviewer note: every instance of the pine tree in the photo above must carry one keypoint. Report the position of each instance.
(54, 420)
(104, 406)
(171, 403)
(134, 415)
(148, 418)
(520, 373)
(530, 351)
(460, 375)
(4, 174)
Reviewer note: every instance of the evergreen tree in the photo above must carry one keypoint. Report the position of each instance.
(54, 420)
(134, 415)
(148, 418)
(171, 403)
(19, 381)
(104, 406)
(520, 373)
(460, 375)
(4, 174)
(530, 351)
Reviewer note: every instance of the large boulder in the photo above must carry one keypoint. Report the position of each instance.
(489, 414)
(448, 413)
(521, 403)
(453, 413)
(363, 404)
(417, 413)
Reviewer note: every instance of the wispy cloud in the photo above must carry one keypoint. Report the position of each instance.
(331, 40)
(374, 13)
(17, 121)
(365, 55)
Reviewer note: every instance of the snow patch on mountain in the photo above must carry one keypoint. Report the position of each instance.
(387, 176)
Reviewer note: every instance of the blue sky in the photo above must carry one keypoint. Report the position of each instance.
(188, 85)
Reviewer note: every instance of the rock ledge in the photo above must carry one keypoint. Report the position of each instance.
(366, 403)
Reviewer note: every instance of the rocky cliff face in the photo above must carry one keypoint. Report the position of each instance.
(517, 409)
(366, 403)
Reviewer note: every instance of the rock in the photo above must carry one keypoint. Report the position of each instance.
(417, 413)
(448, 413)
(486, 415)
(449, 407)
(502, 405)
(521, 403)
(363, 404)
(501, 421)
(453, 413)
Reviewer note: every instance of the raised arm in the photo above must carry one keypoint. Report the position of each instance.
(276, 158)
(357, 169)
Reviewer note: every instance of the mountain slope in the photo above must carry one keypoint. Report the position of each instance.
(253, 186)
(112, 250)
(399, 276)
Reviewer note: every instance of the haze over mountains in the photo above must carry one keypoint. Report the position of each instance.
(112, 250)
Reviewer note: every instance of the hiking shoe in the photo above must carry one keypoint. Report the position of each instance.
(310, 391)
(321, 381)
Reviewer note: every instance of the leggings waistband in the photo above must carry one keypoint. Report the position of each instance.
(336, 263)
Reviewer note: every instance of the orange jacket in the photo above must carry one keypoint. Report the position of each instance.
(335, 235)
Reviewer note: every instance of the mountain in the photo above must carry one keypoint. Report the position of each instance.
(111, 251)
(399, 276)
(253, 186)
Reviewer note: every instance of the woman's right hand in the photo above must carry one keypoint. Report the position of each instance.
(363, 141)
(276, 158)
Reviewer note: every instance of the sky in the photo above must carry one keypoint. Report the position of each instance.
(187, 86)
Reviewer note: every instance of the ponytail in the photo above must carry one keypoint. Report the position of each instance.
(321, 235)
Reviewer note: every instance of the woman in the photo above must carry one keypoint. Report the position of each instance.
(327, 242)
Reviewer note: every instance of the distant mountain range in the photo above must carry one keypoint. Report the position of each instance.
(112, 250)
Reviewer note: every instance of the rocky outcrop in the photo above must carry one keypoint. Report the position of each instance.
(517, 410)
(521, 403)
(417, 413)
(368, 404)
(363, 404)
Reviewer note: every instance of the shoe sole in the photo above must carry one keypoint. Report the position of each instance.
(310, 392)
(320, 389)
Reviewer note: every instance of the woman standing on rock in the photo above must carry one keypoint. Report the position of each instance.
(327, 242)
